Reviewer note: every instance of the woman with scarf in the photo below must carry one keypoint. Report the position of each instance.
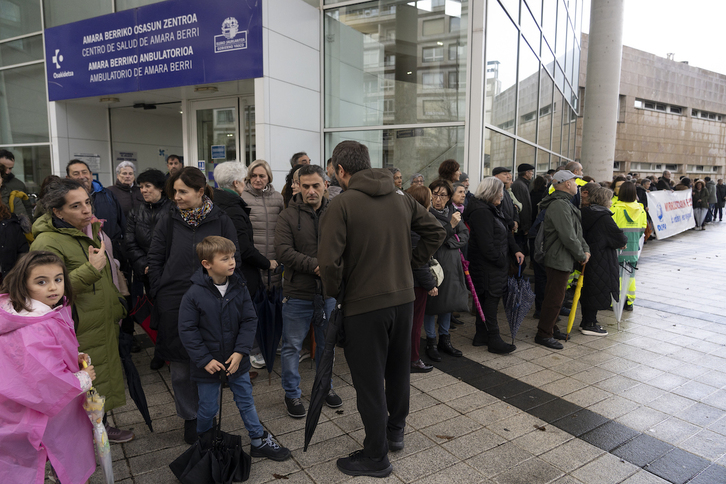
(172, 260)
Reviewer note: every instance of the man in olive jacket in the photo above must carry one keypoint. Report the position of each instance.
(296, 246)
(365, 244)
(564, 247)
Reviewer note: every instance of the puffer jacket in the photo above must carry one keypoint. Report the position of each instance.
(252, 261)
(97, 309)
(296, 244)
(13, 243)
(491, 247)
(711, 187)
(700, 198)
(128, 196)
(453, 294)
(565, 246)
(604, 237)
(139, 231)
(631, 217)
(265, 207)
(170, 273)
(212, 326)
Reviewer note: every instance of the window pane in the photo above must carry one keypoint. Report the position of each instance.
(498, 151)
(525, 154)
(573, 134)
(19, 17)
(32, 165)
(557, 123)
(417, 150)
(501, 58)
(512, 7)
(358, 57)
(60, 13)
(21, 50)
(127, 4)
(23, 89)
(543, 162)
(549, 21)
(528, 90)
(562, 25)
(545, 110)
(536, 7)
(530, 30)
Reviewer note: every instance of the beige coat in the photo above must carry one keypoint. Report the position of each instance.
(265, 207)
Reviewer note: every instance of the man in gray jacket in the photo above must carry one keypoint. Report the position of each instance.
(564, 247)
(296, 246)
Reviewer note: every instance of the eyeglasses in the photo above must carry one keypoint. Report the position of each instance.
(439, 195)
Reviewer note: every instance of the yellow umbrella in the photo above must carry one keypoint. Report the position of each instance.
(575, 300)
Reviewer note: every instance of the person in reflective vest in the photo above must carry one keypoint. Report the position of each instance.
(630, 216)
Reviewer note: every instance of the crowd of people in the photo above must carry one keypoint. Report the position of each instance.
(74, 265)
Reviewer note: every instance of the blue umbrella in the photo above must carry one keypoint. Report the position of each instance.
(268, 304)
(520, 298)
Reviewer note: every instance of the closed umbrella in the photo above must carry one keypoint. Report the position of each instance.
(133, 380)
(321, 385)
(520, 298)
(472, 289)
(268, 304)
(94, 407)
(575, 300)
(215, 458)
(626, 272)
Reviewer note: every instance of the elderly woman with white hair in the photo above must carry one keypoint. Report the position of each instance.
(126, 191)
(491, 250)
(230, 176)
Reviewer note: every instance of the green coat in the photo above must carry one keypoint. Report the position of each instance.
(563, 239)
(96, 310)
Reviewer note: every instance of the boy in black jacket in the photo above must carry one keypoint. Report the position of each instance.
(217, 324)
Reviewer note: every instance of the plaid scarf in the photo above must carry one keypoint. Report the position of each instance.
(194, 216)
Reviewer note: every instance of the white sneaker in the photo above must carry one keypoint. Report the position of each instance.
(304, 355)
(257, 361)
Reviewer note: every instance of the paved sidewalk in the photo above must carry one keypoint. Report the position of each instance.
(646, 404)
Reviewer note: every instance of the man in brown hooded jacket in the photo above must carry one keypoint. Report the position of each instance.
(365, 245)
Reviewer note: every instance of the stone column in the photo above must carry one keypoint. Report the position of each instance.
(602, 88)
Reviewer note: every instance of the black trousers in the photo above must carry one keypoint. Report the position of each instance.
(489, 306)
(589, 315)
(378, 348)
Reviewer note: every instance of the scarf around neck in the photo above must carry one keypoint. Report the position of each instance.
(194, 216)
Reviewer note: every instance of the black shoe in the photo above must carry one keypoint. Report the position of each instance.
(157, 363)
(270, 448)
(548, 342)
(431, 351)
(498, 346)
(593, 330)
(395, 445)
(536, 314)
(456, 321)
(357, 464)
(628, 307)
(480, 340)
(190, 431)
(445, 346)
(332, 400)
(565, 311)
(295, 407)
(136, 347)
(557, 334)
(419, 366)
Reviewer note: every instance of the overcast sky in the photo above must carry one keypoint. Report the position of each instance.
(693, 30)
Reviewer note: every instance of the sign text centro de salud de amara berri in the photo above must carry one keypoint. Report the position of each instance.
(167, 44)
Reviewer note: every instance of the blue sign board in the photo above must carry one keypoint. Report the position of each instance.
(219, 152)
(166, 44)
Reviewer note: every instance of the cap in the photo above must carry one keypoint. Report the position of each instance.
(524, 167)
(463, 177)
(500, 169)
(563, 176)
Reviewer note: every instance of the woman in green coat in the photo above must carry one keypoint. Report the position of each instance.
(69, 229)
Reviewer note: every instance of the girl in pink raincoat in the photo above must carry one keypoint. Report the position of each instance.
(42, 388)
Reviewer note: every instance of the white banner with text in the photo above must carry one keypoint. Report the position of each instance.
(671, 212)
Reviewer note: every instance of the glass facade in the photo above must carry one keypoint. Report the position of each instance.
(532, 58)
(392, 69)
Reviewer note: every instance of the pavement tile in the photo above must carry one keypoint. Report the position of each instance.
(431, 416)
(455, 474)
(532, 471)
(564, 386)
(414, 442)
(593, 375)
(474, 443)
(644, 477)
(515, 426)
(670, 403)
(494, 412)
(673, 430)
(471, 402)
(580, 422)
(606, 469)
(587, 396)
(642, 393)
(694, 390)
(609, 436)
(544, 439)
(642, 450)
(642, 418)
(571, 455)
(700, 414)
(452, 392)
(499, 459)
(716, 399)
(706, 443)
(423, 464)
(678, 466)
(712, 474)
(337, 447)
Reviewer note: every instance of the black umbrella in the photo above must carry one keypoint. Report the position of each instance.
(518, 302)
(321, 385)
(268, 304)
(318, 318)
(216, 457)
(133, 380)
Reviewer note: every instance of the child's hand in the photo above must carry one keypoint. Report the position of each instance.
(213, 367)
(233, 362)
(91, 372)
(83, 357)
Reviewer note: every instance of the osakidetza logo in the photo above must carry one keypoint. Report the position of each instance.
(56, 60)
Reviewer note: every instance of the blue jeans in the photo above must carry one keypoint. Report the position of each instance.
(209, 405)
(296, 316)
(430, 324)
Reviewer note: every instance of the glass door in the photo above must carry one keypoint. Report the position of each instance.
(215, 133)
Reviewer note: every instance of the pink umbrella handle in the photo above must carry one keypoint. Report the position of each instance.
(467, 276)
